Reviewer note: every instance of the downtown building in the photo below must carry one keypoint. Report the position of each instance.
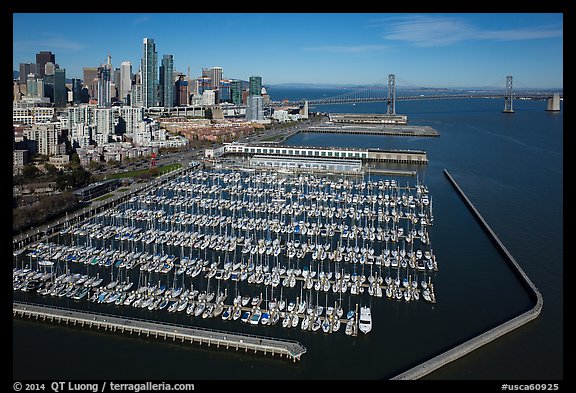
(149, 69)
(255, 108)
(167, 82)
(42, 58)
(104, 86)
(255, 85)
(125, 82)
(45, 137)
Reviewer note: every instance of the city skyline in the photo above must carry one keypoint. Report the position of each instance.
(422, 50)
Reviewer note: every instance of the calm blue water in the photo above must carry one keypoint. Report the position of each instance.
(510, 166)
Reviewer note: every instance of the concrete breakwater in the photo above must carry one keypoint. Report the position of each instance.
(465, 348)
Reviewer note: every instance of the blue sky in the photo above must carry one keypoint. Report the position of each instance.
(430, 50)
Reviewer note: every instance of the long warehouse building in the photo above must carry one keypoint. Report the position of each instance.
(273, 149)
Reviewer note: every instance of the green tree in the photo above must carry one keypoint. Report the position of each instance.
(94, 165)
(51, 170)
(153, 171)
(30, 171)
(74, 161)
(80, 178)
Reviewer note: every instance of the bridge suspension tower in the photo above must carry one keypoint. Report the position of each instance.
(509, 96)
(391, 102)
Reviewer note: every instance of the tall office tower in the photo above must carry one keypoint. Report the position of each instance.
(25, 70)
(167, 81)
(32, 86)
(149, 68)
(60, 91)
(76, 91)
(49, 86)
(181, 91)
(49, 68)
(254, 108)
(203, 83)
(125, 81)
(236, 91)
(206, 74)
(42, 58)
(255, 85)
(104, 82)
(90, 74)
(215, 75)
(116, 83)
(224, 94)
(137, 92)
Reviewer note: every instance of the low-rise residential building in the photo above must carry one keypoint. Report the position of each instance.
(60, 161)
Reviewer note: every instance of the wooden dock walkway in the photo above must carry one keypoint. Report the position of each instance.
(228, 340)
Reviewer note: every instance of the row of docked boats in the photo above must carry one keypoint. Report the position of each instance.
(316, 234)
(375, 283)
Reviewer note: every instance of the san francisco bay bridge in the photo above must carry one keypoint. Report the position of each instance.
(387, 94)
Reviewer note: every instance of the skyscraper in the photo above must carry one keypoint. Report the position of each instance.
(49, 68)
(224, 91)
(181, 91)
(42, 58)
(236, 91)
(125, 80)
(149, 68)
(104, 82)
(90, 74)
(76, 90)
(202, 83)
(137, 91)
(215, 75)
(116, 82)
(167, 81)
(254, 108)
(32, 86)
(255, 85)
(25, 70)
(60, 91)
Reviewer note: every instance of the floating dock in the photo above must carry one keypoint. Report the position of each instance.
(228, 340)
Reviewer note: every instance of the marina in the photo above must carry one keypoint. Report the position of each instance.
(266, 248)
(472, 278)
